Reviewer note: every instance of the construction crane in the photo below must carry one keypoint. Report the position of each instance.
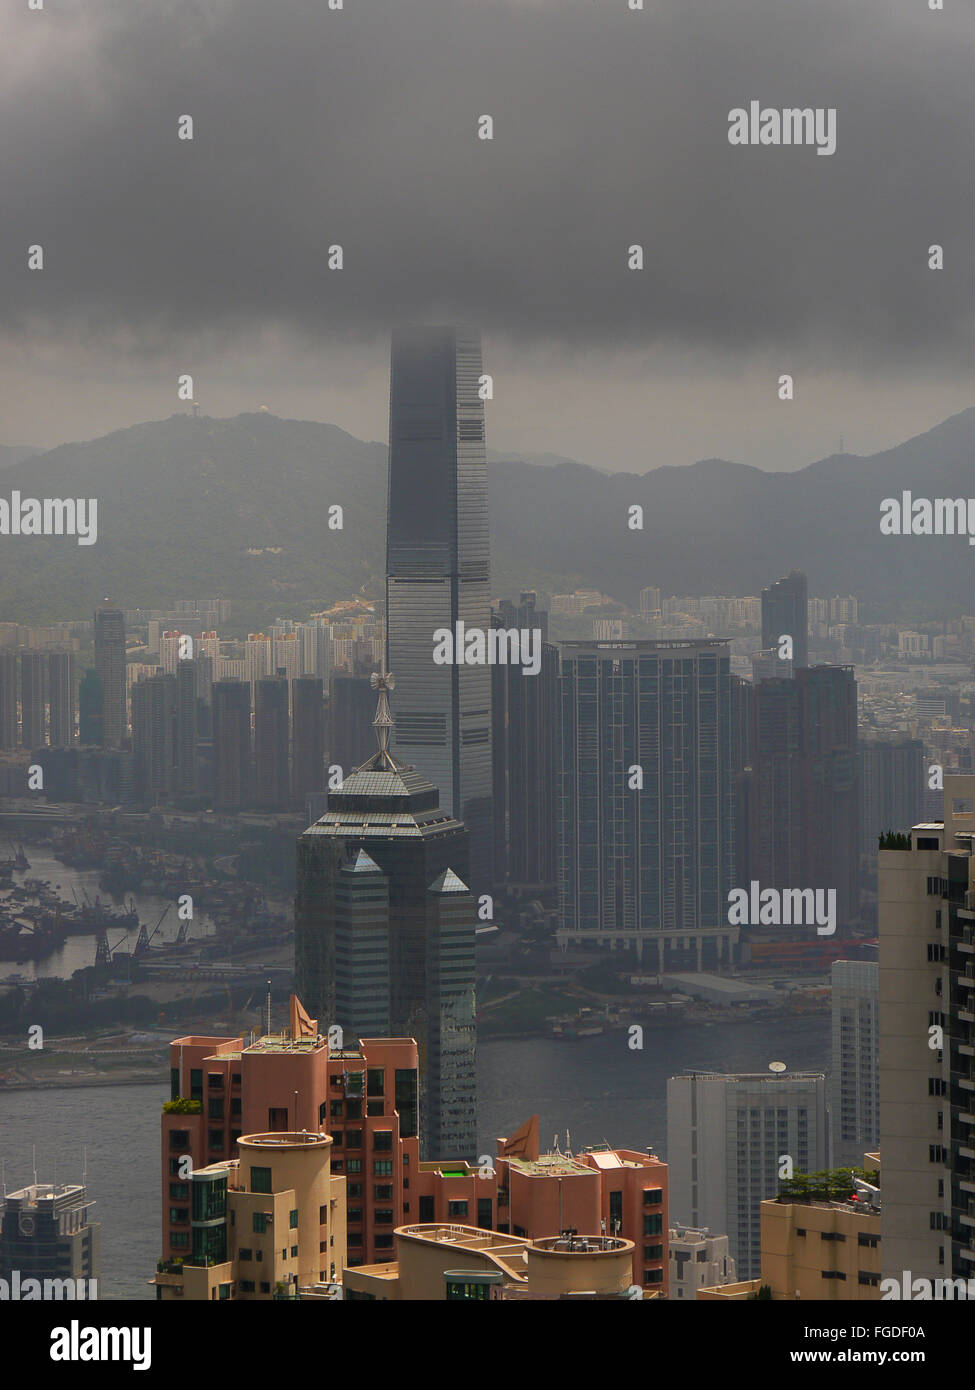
(145, 938)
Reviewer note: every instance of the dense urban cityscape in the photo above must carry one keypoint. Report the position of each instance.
(434, 867)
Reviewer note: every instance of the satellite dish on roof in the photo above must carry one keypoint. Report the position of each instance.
(776, 1066)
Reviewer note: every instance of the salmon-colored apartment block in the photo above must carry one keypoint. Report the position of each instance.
(365, 1099)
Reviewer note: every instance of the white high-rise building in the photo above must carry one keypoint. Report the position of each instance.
(854, 1081)
(728, 1142)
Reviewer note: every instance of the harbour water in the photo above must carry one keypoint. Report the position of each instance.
(596, 1088)
(79, 951)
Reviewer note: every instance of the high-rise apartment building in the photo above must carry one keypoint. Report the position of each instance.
(91, 710)
(307, 739)
(927, 1042)
(271, 778)
(233, 761)
(803, 825)
(110, 665)
(727, 1137)
(785, 613)
(525, 749)
(387, 937)
(257, 660)
(646, 800)
(62, 698)
(854, 1079)
(8, 699)
(351, 706)
(33, 699)
(154, 705)
(437, 572)
(185, 782)
(891, 780)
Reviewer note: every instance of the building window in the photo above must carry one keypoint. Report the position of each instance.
(652, 1196)
(293, 1218)
(382, 1168)
(383, 1192)
(246, 1254)
(384, 1216)
(405, 1090)
(355, 1165)
(375, 1081)
(653, 1276)
(427, 1211)
(375, 1108)
(653, 1224)
(196, 1084)
(260, 1222)
(653, 1252)
(180, 1240)
(216, 1140)
(334, 1107)
(353, 1139)
(277, 1119)
(383, 1242)
(458, 1208)
(485, 1213)
(261, 1180)
(354, 1189)
(247, 1285)
(382, 1140)
(615, 1212)
(180, 1190)
(178, 1215)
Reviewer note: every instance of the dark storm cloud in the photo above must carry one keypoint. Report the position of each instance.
(358, 127)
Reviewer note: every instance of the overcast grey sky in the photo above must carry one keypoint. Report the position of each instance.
(359, 127)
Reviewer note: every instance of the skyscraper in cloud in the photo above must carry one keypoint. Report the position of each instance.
(437, 572)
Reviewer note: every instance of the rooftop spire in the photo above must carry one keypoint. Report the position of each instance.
(383, 681)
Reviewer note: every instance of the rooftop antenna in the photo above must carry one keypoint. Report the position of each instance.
(269, 1006)
(33, 1161)
(84, 1165)
(383, 681)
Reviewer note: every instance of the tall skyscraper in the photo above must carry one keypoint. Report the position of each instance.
(437, 572)
(61, 684)
(33, 694)
(8, 699)
(726, 1136)
(524, 747)
(854, 1082)
(110, 665)
(271, 782)
(785, 610)
(927, 1043)
(384, 930)
(646, 800)
(233, 764)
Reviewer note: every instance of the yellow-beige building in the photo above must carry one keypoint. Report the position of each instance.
(437, 1263)
(814, 1250)
(263, 1225)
